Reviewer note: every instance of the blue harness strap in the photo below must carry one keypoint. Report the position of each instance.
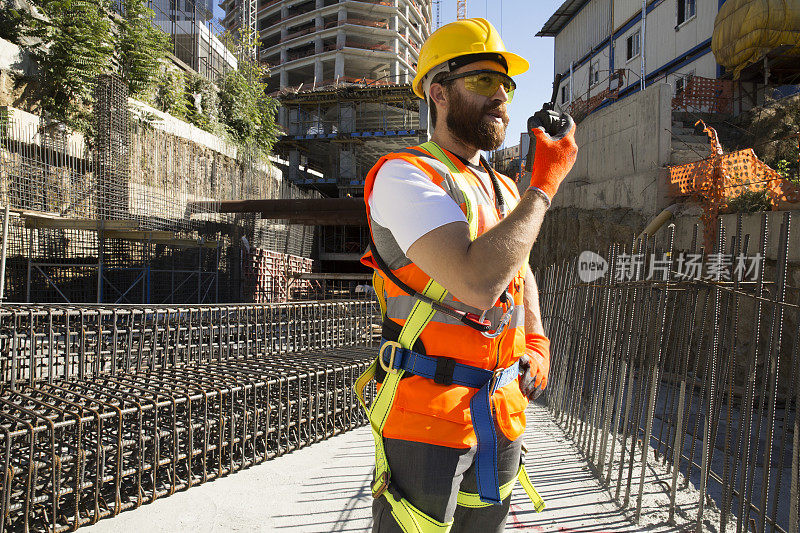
(446, 371)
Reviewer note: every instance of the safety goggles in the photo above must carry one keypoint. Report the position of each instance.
(485, 82)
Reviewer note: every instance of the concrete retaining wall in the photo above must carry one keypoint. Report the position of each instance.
(622, 151)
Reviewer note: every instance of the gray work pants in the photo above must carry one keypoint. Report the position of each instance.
(430, 476)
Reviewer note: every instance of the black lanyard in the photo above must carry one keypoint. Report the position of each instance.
(499, 201)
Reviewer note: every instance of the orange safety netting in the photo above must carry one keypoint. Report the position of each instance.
(580, 108)
(705, 94)
(720, 177)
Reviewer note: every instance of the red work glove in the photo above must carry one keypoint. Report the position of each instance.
(555, 150)
(534, 365)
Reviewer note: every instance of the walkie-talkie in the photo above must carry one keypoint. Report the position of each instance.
(554, 124)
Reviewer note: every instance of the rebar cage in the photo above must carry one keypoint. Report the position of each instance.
(103, 409)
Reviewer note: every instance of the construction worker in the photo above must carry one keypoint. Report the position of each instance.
(463, 348)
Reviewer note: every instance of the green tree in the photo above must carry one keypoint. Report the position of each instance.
(142, 46)
(78, 45)
(171, 92)
(246, 111)
(13, 21)
(202, 103)
(749, 202)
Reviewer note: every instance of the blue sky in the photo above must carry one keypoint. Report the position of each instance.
(518, 22)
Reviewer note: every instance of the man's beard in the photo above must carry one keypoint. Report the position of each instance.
(470, 124)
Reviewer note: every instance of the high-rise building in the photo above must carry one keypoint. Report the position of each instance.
(322, 42)
(194, 44)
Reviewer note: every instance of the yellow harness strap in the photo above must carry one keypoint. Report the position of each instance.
(410, 519)
(473, 500)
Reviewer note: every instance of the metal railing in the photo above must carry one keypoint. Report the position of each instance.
(693, 380)
(103, 409)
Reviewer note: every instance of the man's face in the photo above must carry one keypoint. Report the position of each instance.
(477, 120)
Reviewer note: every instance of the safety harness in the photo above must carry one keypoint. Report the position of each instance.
(396, 357)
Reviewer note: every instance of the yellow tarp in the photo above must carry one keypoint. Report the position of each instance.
(746, 30)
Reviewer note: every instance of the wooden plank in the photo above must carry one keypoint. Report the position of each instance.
(166, 238)
(331, 276)
(49, 222)
(139, 235)
(320, 219)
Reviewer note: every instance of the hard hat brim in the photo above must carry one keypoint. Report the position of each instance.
(516, 65)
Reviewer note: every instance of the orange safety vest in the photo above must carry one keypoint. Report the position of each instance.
(424, 411)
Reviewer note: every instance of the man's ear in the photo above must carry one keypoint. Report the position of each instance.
(438, 94)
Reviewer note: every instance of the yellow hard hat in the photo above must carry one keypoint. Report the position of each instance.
(464, 38)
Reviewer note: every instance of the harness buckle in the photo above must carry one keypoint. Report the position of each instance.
(504, 320)
(495, 376)
(383, 479)
(390, 367)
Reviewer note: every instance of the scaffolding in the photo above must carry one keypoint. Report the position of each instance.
(334, 134)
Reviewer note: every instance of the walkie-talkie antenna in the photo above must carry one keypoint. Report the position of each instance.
(549, 106)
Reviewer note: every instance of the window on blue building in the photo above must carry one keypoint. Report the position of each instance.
(632, 46)
(686, 10)
(594, 73)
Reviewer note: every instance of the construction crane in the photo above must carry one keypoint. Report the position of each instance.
(247, 33)
(461, 10)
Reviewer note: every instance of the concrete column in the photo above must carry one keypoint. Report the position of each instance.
(318, 70)
(338, 66)
(284, 55)
(318, 45)
(319, 4)
(347, 166)
(318, 22)
(284, 12)
(284, 78)
(284, 33)
(395, 26)
(341, 38)
(347, 118)
(283, 118)
(341, 15)
(423, 116)
(395, 71)
(294, 164)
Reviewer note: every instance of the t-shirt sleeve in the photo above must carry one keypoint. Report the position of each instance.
(406, 202)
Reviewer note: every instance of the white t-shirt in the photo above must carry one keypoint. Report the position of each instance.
(406, 202)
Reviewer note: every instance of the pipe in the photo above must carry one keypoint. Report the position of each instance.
(662, 218)
(3, 255)
(571, 84)
(641, 43)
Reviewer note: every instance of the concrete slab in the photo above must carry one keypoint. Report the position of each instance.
(325, 488)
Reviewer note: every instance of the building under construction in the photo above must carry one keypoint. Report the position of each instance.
(321, 42)
(342, 72)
